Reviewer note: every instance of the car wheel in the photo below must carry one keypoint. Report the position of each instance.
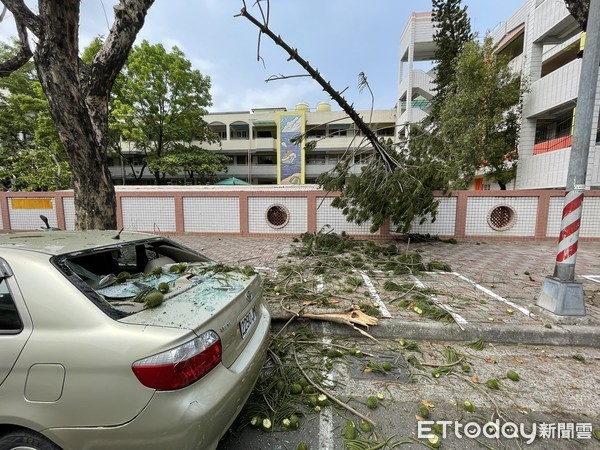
(26, 440)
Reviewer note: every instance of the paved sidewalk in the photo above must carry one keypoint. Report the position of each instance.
(493, 286)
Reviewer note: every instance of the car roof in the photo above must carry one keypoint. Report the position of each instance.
(61, 242)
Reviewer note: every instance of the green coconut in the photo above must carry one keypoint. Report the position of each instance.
(365, 427)
(512, 375)
(267, 425)
(303, 382)
(154, 299)
(294, 421)
(322, 400)
(309, 390)
(256, 421)
(122, 276)
(372, 402)
(492, 383)
(469, 406)
(350, 430)
(334, 353)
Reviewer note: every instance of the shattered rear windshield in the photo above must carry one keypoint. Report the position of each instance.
(127, 278)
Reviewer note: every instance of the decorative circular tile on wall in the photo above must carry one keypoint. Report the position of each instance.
(502, 217)
(277, 216)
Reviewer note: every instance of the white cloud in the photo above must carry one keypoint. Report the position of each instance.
(274, 94)
(203, 65)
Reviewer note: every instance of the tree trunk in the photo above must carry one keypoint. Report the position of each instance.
(83, 136)
(78, 94)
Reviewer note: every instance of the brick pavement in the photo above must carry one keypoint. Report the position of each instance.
(511, 271)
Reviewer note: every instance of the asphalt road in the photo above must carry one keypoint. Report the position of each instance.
(556, 401)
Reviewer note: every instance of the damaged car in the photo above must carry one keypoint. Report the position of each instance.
(123, 340)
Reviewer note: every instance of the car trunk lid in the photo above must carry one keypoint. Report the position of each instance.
(227, 302)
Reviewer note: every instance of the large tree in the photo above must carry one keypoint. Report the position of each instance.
(452, 32)
(579, 9)
(479, 121)
(77, 92)
(159, 103)
(199, 165)
(31, 156)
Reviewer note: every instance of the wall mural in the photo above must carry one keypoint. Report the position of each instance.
(290, 149)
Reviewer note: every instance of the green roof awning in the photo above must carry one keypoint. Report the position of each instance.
(231, 181)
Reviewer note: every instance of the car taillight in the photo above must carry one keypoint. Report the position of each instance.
(180, 366)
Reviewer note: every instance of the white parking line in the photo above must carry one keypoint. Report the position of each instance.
(382, 308)
(320, 286)
(326, 414)
(594, 278)
(460, 320)
(493, 294)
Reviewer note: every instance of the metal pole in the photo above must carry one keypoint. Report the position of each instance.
(569, 236)
(562, 294)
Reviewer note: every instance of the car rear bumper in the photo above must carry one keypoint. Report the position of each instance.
(195, 417)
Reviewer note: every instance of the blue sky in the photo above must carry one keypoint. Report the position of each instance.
(341, 38)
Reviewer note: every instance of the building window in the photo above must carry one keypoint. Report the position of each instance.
(362, 158)
(266, 160)
(240, 134)
(388, 132)
(241, 160)
(315, 159)
(264, 134)
(316, 133)
(338, 130)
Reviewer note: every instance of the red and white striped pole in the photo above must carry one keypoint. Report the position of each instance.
(569, 236)
(562, 294)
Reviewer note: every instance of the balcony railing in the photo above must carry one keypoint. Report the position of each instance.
(553, 144)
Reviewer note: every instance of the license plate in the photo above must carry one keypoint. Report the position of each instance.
(247, 321)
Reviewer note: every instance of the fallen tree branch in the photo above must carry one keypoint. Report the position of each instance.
(331, 396)
(353, 316)
(388, 160)
(350, 318)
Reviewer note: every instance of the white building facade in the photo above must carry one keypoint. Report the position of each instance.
(543, 41)
(253, 142)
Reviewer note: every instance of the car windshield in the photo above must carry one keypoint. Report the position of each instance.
(128, 277)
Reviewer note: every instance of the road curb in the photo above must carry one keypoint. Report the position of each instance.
(562, 335)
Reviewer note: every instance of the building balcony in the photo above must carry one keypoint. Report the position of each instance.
(237, 145)
(419, 32)
(555, 89)
(422, 84)
(416, 116)
(553, 22)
